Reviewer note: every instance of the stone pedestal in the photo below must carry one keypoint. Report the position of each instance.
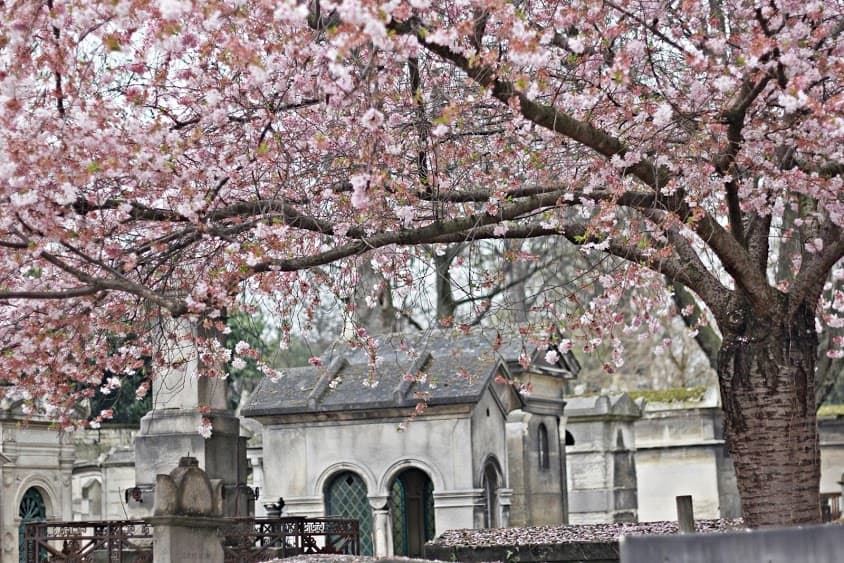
(171, 429)
(181, 539)
(187, 515)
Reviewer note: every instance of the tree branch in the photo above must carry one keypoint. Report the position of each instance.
(82, 291)
(731, 253)
(705, 335)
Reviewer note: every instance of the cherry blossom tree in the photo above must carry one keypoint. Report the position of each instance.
(158, 158)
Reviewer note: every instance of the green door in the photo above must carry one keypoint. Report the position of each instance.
(32, 509)
(346, 497)
(412, 512)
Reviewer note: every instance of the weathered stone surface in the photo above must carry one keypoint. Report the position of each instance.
(593, 543)
(188, 507)
(807, 544)
(32, 456)
(580, 552)
(680, 451)
(166, 494)
(185, 400)
(349, 559)
(601, 463)
(184, 540)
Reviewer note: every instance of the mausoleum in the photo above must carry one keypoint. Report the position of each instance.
(36, 463)
(343, 439)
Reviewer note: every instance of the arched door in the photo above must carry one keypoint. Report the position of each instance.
(31, 509)
(412, 512)
(346, 497)
(490, 487)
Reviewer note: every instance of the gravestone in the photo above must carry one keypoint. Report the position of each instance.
(187, 515)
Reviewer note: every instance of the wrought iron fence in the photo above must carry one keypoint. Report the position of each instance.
(248, 540)
(116, 541)
(244, 540)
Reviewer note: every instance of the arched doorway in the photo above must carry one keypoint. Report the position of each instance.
(490, 486)
(346, 497)
(412, 512)
(31, 509)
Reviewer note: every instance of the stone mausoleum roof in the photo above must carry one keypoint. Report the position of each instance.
(457, 369)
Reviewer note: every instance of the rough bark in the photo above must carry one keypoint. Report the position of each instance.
(766, 372)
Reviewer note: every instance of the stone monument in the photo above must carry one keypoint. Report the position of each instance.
(187, 515)
(182, 397)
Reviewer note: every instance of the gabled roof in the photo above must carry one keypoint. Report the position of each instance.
(457, 370)
(566, 366)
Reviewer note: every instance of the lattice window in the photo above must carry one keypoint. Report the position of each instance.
(398, 512)
(346, 497)
(32, 509)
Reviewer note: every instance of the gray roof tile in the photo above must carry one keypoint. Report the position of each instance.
(458, 368)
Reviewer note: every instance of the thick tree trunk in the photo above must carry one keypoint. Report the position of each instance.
(766, 372)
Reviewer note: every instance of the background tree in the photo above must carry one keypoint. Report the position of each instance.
(161, 158)
(244, 373)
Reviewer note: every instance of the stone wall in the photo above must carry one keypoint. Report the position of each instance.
(591, 543)
(300, 459)
(831, 431)
(451, 444)
(99, 486)
(538, 488)
(601, 467)
(680, 450)
(806, 544)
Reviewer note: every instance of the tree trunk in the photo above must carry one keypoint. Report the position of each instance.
(766, 371)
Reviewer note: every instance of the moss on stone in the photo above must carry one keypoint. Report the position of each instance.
(831, 410)
(675, 395)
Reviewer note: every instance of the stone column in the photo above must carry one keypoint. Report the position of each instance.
(380, 526)
(187, 515)
(171, 429)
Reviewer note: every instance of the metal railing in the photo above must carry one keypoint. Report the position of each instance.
(244, 540)
(115, 541)
(248, 540)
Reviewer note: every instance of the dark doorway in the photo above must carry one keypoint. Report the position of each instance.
(412, 512)
(490, 486)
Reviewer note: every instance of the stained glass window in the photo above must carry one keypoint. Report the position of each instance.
(398, 512)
